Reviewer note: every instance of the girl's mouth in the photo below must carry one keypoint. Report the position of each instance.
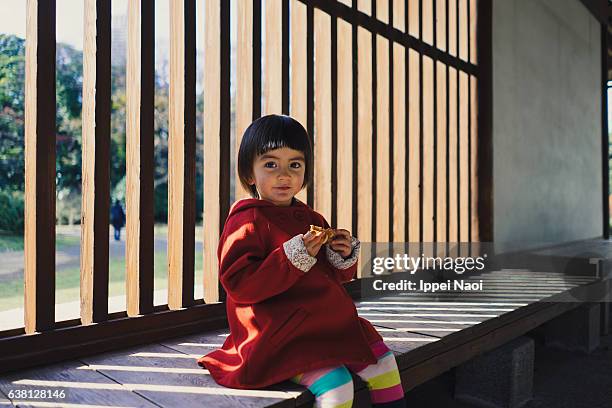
(283, 188)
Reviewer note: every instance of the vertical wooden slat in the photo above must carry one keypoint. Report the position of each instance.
(364, 137)
(442, 181)
(39, 229)
(441, 24)
(413, 18)
(428, 21)
(273, 65)
(399, 142)
(181, 154)
(382, 10)
(485, 121)
(298, 70)
(345, 126)
(140, 157)
(464, 101)
(399, 18)
(464, 29)
(428, 151)
(473, 17)
(365, 6)
(414, 126)
(96, 161)
(216, 139)
(322, 114)
(474, 159)
(452, 157)
(452, 27)
(382, 139)
(244, 79)
(310, 87)
(257, 60)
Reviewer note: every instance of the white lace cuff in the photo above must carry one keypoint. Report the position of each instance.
(338, 261)
(298, 255)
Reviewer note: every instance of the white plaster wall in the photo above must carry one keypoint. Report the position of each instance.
(547, 181)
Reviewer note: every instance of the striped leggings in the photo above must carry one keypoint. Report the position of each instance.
(333, 386)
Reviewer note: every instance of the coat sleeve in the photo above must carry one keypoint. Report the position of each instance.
(249, 274)
(344, 268)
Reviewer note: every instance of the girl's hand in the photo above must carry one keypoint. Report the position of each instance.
(313, 242)
(341, 242)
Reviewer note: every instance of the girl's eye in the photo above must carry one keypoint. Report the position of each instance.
(271, 163)
(298, 165)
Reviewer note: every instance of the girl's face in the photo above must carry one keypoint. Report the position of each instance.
(279, 175)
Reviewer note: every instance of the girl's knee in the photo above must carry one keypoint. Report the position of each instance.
(331, 387)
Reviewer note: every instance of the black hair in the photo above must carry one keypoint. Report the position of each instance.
(268, 133)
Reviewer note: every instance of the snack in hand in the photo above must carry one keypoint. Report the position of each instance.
(329, 232)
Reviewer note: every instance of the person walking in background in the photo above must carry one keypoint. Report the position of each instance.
(117, 219)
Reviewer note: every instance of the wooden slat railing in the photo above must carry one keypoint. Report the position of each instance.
(96, 161)
(39, 231)
(387, 89)
(140, 157)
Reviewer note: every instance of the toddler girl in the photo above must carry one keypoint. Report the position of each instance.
(290, 318)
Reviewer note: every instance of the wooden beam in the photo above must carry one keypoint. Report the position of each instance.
(120, 331)
(182, 154)
(216, 139)
(140, 156)
(598, 9)
(96, 161)
(39, 229)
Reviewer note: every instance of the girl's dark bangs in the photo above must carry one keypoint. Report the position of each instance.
(281, 137)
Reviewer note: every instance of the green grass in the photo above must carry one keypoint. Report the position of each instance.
(11, 242)
(68, 281)
(15, 242)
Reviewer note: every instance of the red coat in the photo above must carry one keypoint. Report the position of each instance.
(282, 321)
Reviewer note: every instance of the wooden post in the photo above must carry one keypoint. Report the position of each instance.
(96, 161)
(216, 139)
(344, 105)
(39, 239)
(399, 142)
(322, 114)
(244, 80)
(298, 71)
(140, 156)
(182, 154)
(383, 170)
(272, 84)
